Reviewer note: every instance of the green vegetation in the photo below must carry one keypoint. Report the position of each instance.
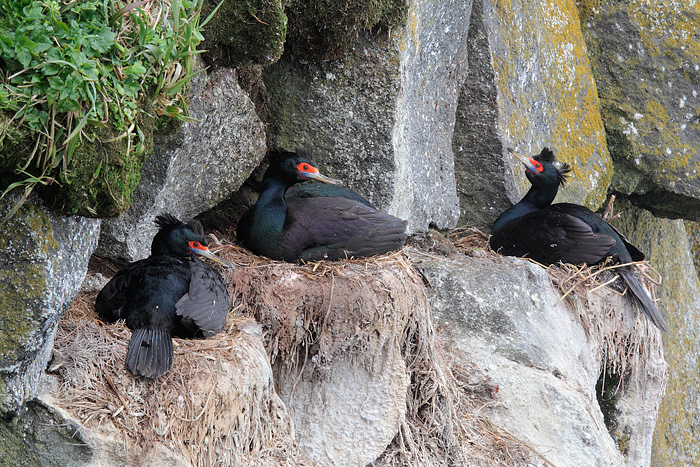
(246, 32)
(82, 83)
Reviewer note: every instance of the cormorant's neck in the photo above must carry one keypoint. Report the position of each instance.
(540, 196)
(536, 198)
(273, 188)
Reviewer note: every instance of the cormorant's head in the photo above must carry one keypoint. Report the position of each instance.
(542, 169)
(295, 167)
(182, 240)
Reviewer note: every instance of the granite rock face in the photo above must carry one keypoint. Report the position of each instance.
(645, 57)
(546, 93)
(40, 435)
(194, 169)
(381, 117)
(668, 247)
(504, 315)
(43, 259)
(480, 167)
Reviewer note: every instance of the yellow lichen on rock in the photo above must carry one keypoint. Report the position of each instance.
(646, 58)
(547, 93)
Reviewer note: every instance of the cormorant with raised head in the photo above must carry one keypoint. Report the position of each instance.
(566, 232)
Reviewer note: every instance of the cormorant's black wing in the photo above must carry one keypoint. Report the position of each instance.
(336, 228)
(150, 352)
(204, 307)
(114, 294)
(599, 225)
(634, 252)
(549, 236)
(324, 190)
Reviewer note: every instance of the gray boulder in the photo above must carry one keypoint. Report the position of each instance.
(504, 315)
(194, 169)
(43, 260)
(645, 61)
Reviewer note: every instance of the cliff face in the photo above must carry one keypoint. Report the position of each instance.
(414, 358)
(413, 107)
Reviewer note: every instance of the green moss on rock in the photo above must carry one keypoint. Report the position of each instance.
(693, 229)
(40, 438)
(103, 173)
(325, 30)
(19, 289)
(245, 32)
(14, 144)
(23, 287)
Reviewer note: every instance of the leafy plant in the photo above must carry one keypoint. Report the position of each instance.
(73, 69)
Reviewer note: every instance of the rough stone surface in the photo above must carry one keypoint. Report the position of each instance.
(504, 315)
(194, 169)
(242, 33)
(41, 436)
(669, 251)
(646, 63)
(478, 147)
(336, 349)
(381, 117)
(339, 108)
(43, 259)
(546, 93)
(692, 228)
(355, 408)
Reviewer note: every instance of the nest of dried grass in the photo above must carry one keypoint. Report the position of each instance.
(216, 406)
(348, 303)
(627, 341)
(471, 241)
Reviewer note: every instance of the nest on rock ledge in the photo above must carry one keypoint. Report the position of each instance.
(216, 405)
(219, 402)
(628, 340)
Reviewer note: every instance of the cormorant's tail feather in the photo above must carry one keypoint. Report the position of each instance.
(150, 352)
(645, 302)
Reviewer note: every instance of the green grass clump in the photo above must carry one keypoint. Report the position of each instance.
(90, 74)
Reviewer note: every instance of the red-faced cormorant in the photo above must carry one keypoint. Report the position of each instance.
(170, 293)
(316, 221)
(570, 233)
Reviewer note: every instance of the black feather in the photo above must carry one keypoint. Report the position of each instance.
(166, 220)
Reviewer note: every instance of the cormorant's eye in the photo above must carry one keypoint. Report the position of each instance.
(195, 244)
(305, 167)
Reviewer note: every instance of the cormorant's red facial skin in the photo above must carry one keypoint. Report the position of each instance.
(536, 165)
(305, 168)
(198, 246)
